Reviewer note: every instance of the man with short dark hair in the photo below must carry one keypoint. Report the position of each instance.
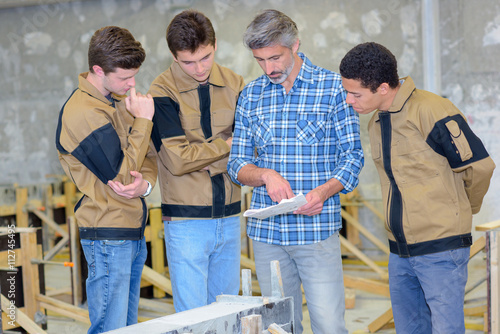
(195, 99)
(434, 173)
(103, 145)
(294, 133)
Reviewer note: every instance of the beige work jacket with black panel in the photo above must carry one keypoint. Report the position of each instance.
(98, 140)
(191, 124)
(433, 169)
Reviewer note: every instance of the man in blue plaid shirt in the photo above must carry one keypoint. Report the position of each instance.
(295, 133)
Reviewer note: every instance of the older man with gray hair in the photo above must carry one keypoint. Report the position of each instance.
(294, 133)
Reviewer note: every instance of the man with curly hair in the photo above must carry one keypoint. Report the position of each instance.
(434, 173)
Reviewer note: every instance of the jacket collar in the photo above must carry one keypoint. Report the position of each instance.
(185, 83)
(405, 90)
(85, 86)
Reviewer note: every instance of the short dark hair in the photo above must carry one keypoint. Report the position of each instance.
(114, 47)
(189, 30)
(372, 64)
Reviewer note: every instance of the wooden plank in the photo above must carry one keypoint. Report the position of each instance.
(21, 318)
(157, 279)
(493, 292)
(251, 324)
(360, 255)
(354, 222)
(368, 285)
(75, 256)
(70, 198)
(350, 298)
(381, 321)
(31, 287)
(45, 218)
(21, 211)
(63, 308)
(351, 206)
(372, 208)
(7, 210)
(276, 329)
(476, 310)
(18, 252)
(245, 262)
(246, 282)
(156, 306)
(477, 246)
(277, 290)
(488, 226)
(157, 249)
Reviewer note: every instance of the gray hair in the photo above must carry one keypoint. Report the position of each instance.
(269, 28)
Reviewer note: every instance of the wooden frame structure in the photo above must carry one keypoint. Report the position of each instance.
(492, 246)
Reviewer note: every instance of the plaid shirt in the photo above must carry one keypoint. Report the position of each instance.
(308, 136)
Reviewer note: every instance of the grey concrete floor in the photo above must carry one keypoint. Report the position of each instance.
(368, 306)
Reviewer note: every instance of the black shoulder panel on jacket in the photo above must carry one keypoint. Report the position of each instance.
(59, 147)
(166, 121)
(101, 153)
(453, 138)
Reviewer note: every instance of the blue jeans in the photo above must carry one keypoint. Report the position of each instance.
(318, 267)
(427, 292)
(113, 283)
(203, 259)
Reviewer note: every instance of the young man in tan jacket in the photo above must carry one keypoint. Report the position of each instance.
(434, 173)
(195, 99)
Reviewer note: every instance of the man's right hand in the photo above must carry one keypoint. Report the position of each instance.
(278, 188)
(140, 106)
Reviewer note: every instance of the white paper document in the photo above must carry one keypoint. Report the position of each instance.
(285, 206)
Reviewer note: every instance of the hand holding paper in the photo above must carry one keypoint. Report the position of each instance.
(285, 206)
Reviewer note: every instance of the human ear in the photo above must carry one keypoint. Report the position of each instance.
(98, 70)
(383, 89)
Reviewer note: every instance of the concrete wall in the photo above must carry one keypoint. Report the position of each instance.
(44, 47)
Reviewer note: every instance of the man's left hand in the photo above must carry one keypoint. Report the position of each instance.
(132, 190)
(315, 200)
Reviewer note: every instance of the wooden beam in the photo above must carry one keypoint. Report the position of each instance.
(157, 249)
(31, 280)
(360, 255)
(368, 285)
(488, 226)
(477, 246)
(69, 194)
(251, 324)
(381, 321)
(21, 212)
(75, 256)
(157, 279)
(21, 318)
(245, 262)
(493, 290)
(276, 329)
(49, 221)
(63, 308)
(372, 209)
(476, 310)
(4, 256)
(354, 222)
(156, 306)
